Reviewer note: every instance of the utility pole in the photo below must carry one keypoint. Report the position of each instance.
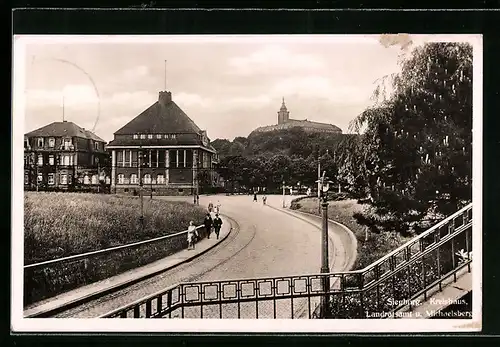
(319, 184)
(283, 194)
(139, 162)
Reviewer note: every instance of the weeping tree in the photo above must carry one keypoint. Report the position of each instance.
(416, 146)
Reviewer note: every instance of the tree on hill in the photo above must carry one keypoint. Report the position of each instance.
(417, 145)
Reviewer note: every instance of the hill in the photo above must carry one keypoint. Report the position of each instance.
(292, 143)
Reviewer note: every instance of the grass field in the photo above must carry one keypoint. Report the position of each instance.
(62, 224)
(370, 250)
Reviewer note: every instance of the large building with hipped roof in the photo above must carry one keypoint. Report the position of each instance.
(65, 156)
(163, 151)
(284, 122)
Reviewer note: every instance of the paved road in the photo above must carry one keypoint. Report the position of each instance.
(268, 243)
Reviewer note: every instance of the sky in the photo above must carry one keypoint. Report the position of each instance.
(227, 85)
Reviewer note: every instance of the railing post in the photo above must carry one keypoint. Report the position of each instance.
(361, 295)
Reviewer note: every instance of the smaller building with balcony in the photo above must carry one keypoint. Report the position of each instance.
(64, 156)
(163, 152)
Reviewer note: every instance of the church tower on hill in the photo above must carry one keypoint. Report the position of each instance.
(283, 114)
(284, 122)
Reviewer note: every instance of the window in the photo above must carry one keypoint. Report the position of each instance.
(133, 179)
(67, 143)
(39, 178)
(51, 178)
(51, 159)
(67, 159)
(52, 142)
(154, 158)
(69, 179)
(40, 160)
(189, 158)
(86, 179)
(121, 178)
(161, 158)
(135, 136)
(173, 158)
(64, 179)
(147, 179)
(173, 136)
(40, 142)
(95, 179)
(26, 143)
(150, 136)
(26, 160)
(143, 136)
(166, 136)
(96, 145)
(26, 179)
(158, 136)
(134, 158)
(160, 179)
(119, 158)
(127, 158)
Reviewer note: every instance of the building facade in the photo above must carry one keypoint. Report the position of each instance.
(284, 122)
(64, 156)
(163, 151)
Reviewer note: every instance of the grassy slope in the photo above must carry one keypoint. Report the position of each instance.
(62, 224)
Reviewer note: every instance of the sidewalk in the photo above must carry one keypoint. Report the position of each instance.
(77, 296)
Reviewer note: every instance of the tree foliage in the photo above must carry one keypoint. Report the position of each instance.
(417, 145)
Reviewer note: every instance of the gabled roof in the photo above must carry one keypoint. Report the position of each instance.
(65, 128)
(163, 117)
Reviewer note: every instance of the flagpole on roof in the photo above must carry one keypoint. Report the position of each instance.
(63, 106)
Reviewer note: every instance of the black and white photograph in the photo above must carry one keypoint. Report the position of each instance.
(270, 183)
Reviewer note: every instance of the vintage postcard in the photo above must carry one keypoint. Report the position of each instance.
(273, 183)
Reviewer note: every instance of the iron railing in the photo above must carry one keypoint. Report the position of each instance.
(51, 277)
(385, 286)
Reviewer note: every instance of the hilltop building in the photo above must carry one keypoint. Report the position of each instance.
(64, 156)
(163, 151)
(284, 122)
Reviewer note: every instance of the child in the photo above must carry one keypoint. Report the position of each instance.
(191, 234)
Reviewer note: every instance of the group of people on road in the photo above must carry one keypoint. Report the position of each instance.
(212, 222)
(264, 198)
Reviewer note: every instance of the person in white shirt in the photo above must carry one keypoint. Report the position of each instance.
(191, 234)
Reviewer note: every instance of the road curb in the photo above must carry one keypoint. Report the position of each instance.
(76, 302)
(353, 238)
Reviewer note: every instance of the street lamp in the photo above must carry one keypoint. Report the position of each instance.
(324, 186)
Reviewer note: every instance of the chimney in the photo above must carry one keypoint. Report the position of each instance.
(165, 98)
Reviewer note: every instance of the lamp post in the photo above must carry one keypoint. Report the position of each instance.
(319, 184)
(140, 164)
(324, 185)
(283, 194)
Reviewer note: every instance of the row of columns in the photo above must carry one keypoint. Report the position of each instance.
(167, 164)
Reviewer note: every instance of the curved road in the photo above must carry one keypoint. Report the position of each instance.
(268, 242)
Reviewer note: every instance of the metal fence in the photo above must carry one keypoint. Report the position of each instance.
(377, 291)
(49, 278)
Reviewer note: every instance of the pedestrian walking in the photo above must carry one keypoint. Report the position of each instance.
(217, 225)
(264, 199)
(197, 199)
(217, 207)
(208, 225)
(210, 206)
(254, 197)
(191, 235)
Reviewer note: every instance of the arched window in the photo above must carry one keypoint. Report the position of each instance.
(133, 179)
(121, 178)
(86, 179)
(147, 179)
(160, 179)
(95, 179)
